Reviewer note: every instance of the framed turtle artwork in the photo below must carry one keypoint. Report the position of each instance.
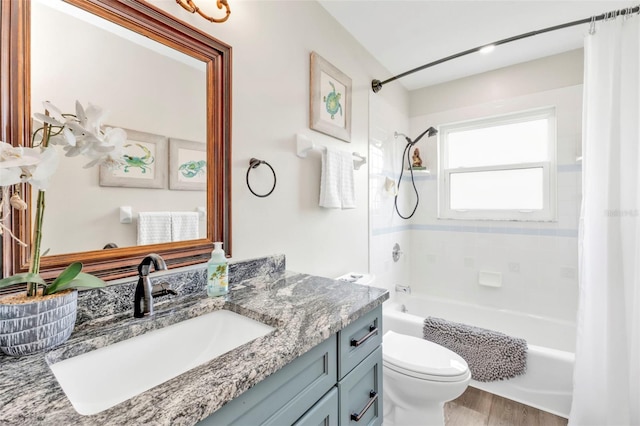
(329, 100)
(144, 163)
(187, 165)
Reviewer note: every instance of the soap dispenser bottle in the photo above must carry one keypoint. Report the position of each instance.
(217, 272)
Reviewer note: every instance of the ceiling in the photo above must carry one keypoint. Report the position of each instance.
(404, 34)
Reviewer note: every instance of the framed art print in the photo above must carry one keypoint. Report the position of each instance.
(144, 163)
(330, 99)
(187, 165)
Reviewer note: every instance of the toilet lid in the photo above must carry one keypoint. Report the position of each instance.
(421, 358)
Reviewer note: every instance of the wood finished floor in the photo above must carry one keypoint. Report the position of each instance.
(475, 408)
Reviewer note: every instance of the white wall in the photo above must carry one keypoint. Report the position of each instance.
(272, 41)
(538, 261)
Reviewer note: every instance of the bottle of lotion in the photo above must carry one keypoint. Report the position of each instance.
(217, 272)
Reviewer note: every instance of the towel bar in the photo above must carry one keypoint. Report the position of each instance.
(126, 213)
(305, 144)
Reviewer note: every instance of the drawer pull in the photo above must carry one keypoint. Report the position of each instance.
(373, 330)
(374, 397)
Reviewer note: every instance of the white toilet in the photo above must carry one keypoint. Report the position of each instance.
(419, 376)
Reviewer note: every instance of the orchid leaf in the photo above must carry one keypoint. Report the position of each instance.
(68, 275)
(81, 280)
(25, 277)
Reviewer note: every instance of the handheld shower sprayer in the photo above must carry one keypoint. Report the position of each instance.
(431, 131)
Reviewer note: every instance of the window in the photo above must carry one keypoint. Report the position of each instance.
(499, 168)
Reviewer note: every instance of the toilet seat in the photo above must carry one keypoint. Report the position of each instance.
(422, 359)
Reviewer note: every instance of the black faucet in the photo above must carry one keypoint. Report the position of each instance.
(145, 292)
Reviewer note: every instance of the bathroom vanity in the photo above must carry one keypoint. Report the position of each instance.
(321, 362)
(336, 382)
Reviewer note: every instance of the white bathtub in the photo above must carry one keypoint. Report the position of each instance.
(547, 384)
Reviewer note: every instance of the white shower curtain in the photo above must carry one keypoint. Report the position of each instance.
(607, 370)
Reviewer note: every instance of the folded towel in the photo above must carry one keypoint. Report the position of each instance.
(154, 228)
(490, 355)
(184, 226)
(329, 179)
(336, 180)
(347, 190)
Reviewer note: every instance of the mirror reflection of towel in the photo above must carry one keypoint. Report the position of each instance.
(184, 226)
(154, 228)
(166, 227)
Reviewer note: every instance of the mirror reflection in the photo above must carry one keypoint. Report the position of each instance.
(158, 95)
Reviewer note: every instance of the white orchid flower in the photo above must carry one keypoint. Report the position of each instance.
(14, 161)
(82, 147)
(79, 134)
(110, 152)
(83, 134)
(80, 114)
(49, 120)
(54, 111)
(91, 118)
(10, 176)
(42, 173)
(15, 156)
(69, 137)
(26, 165)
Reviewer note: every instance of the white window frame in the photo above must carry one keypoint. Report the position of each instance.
(547, 213)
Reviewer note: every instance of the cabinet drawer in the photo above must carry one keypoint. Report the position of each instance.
(285, 395)
(358, 340)
(361, 393)
(324, 413)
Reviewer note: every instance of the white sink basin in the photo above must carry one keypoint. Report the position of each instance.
(100, 379)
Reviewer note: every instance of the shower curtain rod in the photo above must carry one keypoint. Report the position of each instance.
(376, 85)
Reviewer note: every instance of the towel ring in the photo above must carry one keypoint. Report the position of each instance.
(254, 163)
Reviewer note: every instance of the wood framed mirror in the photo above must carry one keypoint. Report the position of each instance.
(16, 88)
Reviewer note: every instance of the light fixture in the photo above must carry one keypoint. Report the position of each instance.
(190, 6)
(488, 49)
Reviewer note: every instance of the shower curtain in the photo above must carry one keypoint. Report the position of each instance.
(607, 369)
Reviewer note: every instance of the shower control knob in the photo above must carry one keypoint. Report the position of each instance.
(396, 252)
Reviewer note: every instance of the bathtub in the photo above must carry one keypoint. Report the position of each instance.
(548, 382)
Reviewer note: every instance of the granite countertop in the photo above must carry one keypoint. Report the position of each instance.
(304, 309)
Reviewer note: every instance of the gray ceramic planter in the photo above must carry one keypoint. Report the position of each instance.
(32, 327)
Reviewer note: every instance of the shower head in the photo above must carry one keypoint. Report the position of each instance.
(429, 132)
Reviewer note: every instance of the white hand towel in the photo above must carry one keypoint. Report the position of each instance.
(184, 226)
(336, 180)
(347, 190)
(330, 179)
(154, 227)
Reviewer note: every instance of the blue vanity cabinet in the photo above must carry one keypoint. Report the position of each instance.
(324, 413)
(340, 377)
(286, 395)
(360, 393)
(360, 371)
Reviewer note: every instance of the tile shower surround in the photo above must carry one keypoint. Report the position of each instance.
(305, 309)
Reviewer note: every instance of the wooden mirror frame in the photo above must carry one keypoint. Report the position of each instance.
(15, 128)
